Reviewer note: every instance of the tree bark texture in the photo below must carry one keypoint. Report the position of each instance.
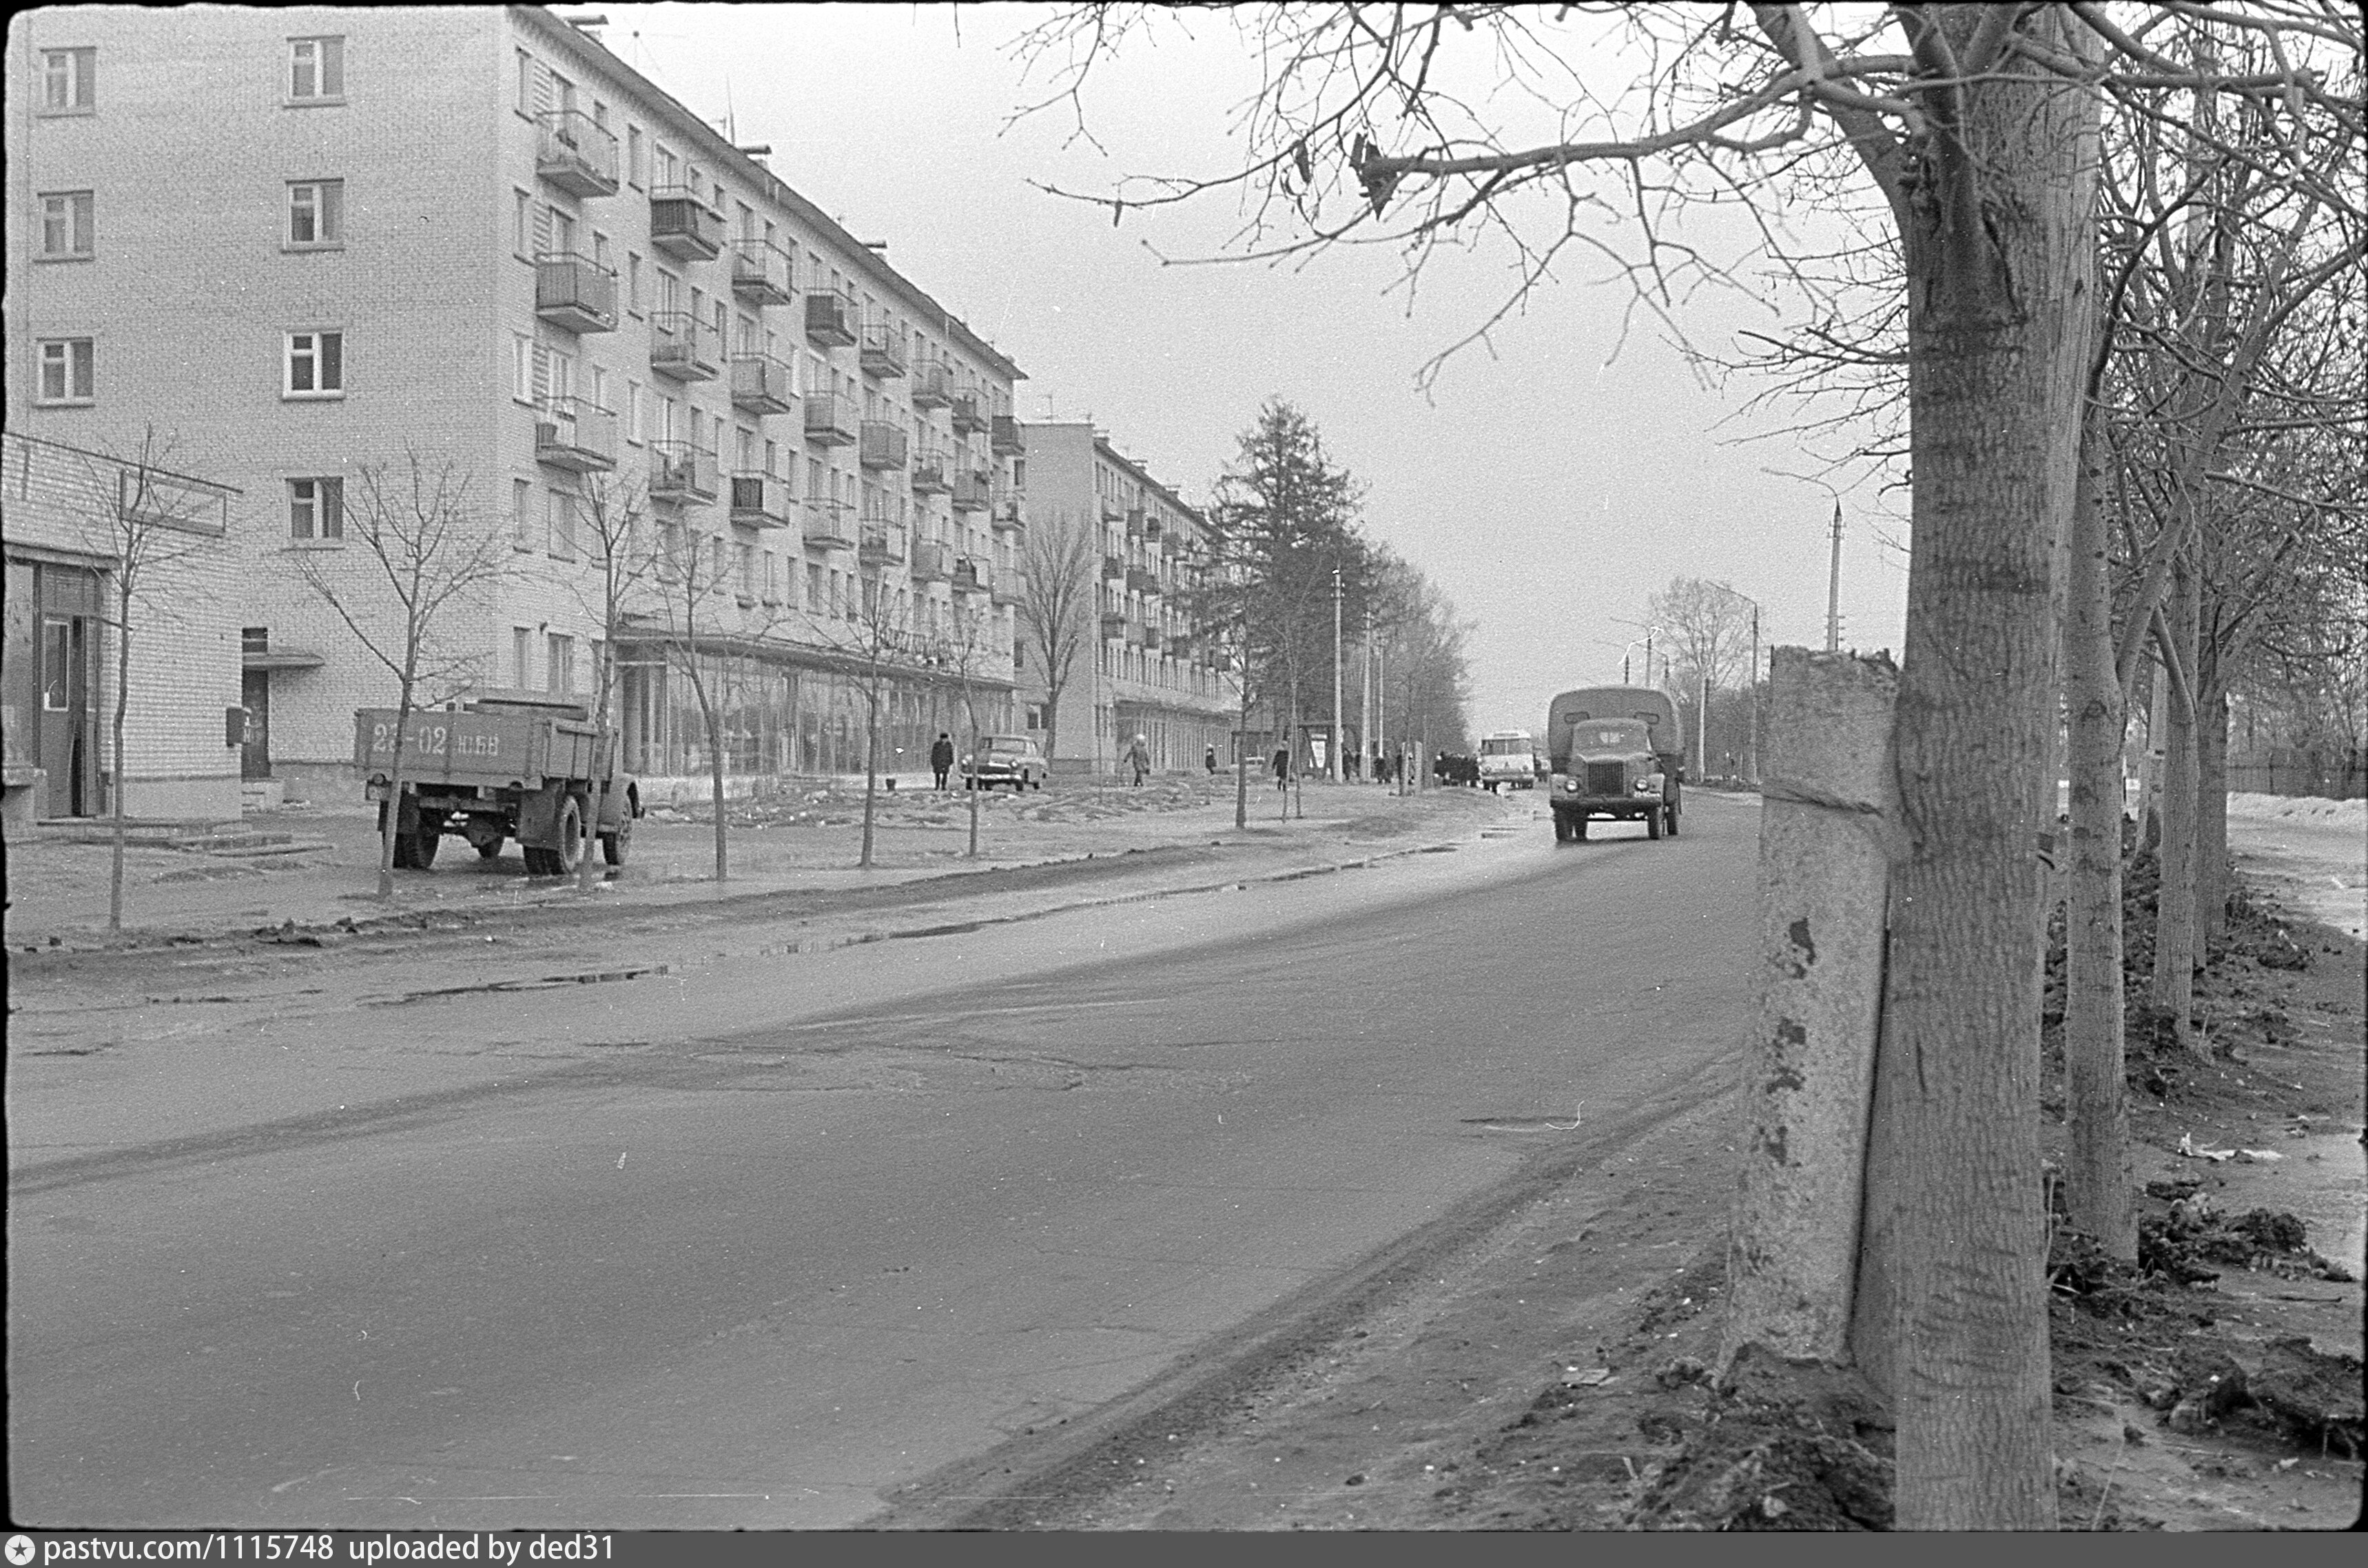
(2211, 807)
(2098, 1173)
(2172, 984)
(1951, 1314)
(124, 574)
(1823, 869)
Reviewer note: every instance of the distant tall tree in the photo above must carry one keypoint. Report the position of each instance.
(615, 516)
(1707, 630)
(142, 519)
(1061, 555)
(426, 551)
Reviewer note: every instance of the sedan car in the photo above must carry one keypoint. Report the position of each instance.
(1016, 760)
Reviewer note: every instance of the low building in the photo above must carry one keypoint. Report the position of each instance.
(69, 521)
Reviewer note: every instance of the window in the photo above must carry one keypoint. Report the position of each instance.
(522, 368)
(521, 654)
(65, 224)
(316, 212)
(559, 516)
(772, 578)
(636, 156)
(316, 364)
(558, 666)
(634, 412)
(634, 283)
(813, 587)
(316, 70)
(69, 81)
(747, 564)
(67, 370)
(599, 388)
(316, 509)
(601, 252)
(521, 223)
(521, 523)
(524, 83)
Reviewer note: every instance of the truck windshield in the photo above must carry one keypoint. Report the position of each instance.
(1604, 734)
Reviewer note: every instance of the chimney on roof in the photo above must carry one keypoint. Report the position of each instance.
(586, 24)
(756, 150)
(880, 245)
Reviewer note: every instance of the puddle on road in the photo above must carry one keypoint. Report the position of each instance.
(547, 983)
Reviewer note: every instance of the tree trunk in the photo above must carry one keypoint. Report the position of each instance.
(2211, 808)
(1952, 1320)
(2172, 985)
(393, 822)
(587, 873)
(123, 576)
(714, 732)
(870, 762)
(1242, 755)
(2097, 1174)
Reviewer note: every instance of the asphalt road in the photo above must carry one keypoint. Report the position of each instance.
(758, 1244)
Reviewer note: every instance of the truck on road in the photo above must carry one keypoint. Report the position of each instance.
(509, 765)
(1616, 753)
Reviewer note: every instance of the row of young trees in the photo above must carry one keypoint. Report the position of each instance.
(2089, 291)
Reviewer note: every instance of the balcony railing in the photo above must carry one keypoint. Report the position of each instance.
(971, 490)
(1135, 516)
(830, 319)
(883, 446)
(761, 501)
(763, 273)
(1151, 637)
(573, 292)
(826, 525)
(1004, 437)
(968, 420)
(684, 226)
(1005, 517)
(931, 387)
(1010, 588)
(972, 576)
(683, 347)
(1141, 580)
(830, 418)
(1113, 569)
(1114, 624)
(680, 472)
(930, 474)
(761, 384)
(576, 153)
(570, 433)
(884, 354)
(928, 561)
(882, 544)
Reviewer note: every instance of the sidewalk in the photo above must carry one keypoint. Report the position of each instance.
(805, 839)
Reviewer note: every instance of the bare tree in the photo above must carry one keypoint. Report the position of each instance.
(888, 648)
(426, 550)
(143, 519)
(960, 651)
(615, 515)
(1709, 626)
(1976, 127)
(1060, 554)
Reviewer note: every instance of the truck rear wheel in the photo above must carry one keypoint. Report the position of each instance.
(614, 845)
(570, 853)
(426, 841)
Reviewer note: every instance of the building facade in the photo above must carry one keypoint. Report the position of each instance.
(313, 241)
(69, 519)
(1144, 665)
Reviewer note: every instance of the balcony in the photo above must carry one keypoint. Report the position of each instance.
(830, 320)
(1003, 438)
(761, 384)
(1135, 522)
(968, 420)
(762, 273)
(683, 226)
(830, 418)
(1143, 580)
(1114, 624)
(971, 490)
(1135, 632)
(931, 387)
(762, 501)
(881, 544)
(883, 446)
(929, 474)
(683, 347)
(884, 354)
(1179, 646)
(574, 154)
(1010, 588)
(826, 525)
(1113, 569)
(570, 433)
(573, 294)
(972, 576)
(928, 561)
(680, 472)
(1005, 517)
(1151, 638)
(1171, 543)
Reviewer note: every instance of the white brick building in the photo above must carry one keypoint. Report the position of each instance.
(311, 240)
(63, 515)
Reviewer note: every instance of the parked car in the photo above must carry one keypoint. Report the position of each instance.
(1016, 760)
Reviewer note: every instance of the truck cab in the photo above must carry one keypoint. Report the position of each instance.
(1615, 754)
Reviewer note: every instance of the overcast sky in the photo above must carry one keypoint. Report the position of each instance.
(1549, 487)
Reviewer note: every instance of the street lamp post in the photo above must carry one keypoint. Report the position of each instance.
(1332, 756)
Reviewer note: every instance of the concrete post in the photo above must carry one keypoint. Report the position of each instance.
(1829, 808)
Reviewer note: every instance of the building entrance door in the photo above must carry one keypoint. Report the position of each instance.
(255, 693)
(69, 723)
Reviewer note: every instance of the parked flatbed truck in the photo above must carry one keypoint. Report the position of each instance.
(509, 765)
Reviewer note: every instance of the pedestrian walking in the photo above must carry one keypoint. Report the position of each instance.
(1282, 768)
(1138, 757)
(1209, 760)
(942, 757)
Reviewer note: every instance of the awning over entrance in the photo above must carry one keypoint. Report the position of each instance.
(279, 659)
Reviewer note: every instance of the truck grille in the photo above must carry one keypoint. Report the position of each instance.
(1606, 778)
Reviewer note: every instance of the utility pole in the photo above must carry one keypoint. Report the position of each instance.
(1332, 756)
(1382, 715)
(1366, 754)
(1834, 587)
(1751, 759)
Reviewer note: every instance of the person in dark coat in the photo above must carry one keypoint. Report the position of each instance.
(1209, 760)
(942, 757)
(1282, 768)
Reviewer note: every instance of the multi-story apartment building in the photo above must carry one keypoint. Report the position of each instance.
(1146, 667)
(72, 519)
(311, 242)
